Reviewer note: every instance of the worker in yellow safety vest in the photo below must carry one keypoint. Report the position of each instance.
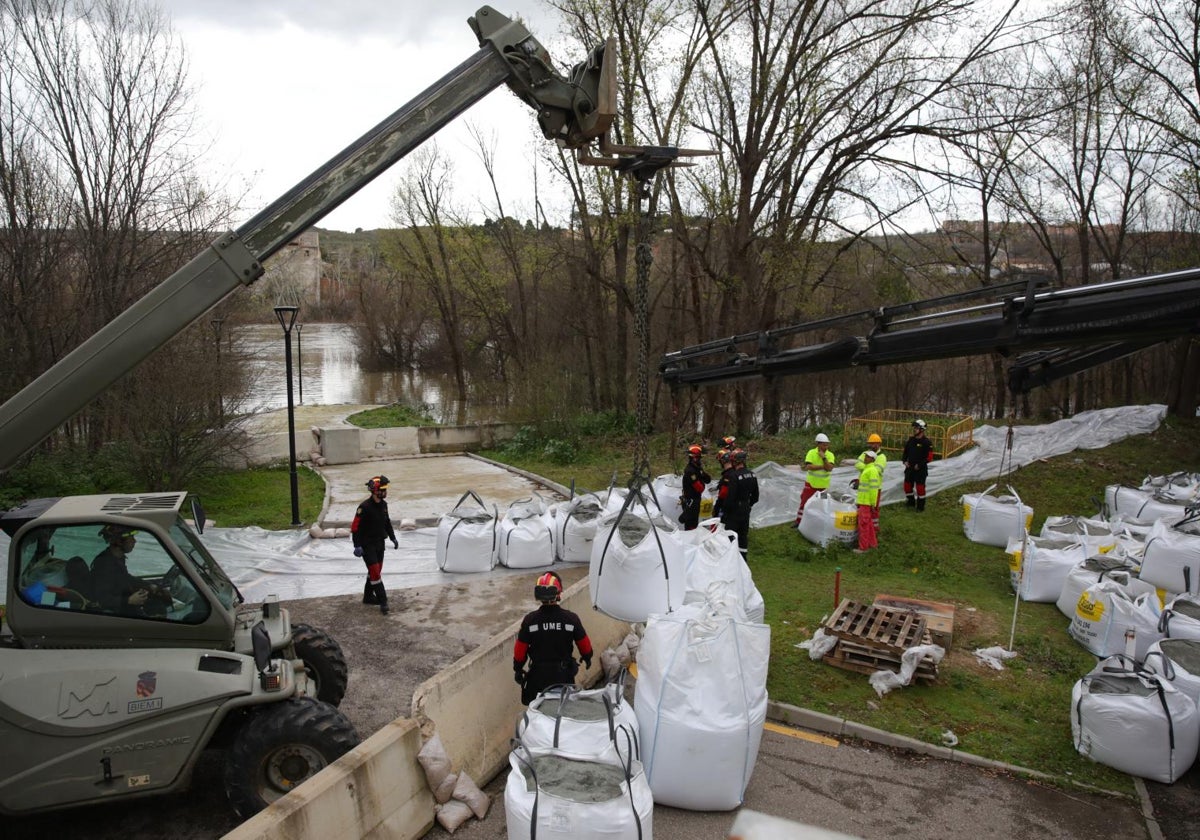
(874, 444)
(818, 469)
(868, 484)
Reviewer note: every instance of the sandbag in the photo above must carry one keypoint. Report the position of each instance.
(667, 490)
(1038, 566)
(1182, 487)
(1178, 662)
(1171, 558)
(603, 797)
(1180, 618)
(829, 519)
(1105, 612)
(525, 539)
(575, 526)
(1092, 570)
(466, 537)
(637, 565)
(1096, 535)
(1133, 504)
(701, 702)
(994, 520)
(580, 722)
(1135, 721)
(711, 557)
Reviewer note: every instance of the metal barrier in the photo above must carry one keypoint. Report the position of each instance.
(949, 433)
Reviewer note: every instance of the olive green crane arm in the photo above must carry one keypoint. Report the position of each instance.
(572, 111)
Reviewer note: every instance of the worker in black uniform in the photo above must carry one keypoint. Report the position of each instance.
(741, 496)
(545, 638)
(918, 452)
(695, 479)
(370, 526)
(114, 588)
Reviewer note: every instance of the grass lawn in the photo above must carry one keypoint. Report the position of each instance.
(1019, 715)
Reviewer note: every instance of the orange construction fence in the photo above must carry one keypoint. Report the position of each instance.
(950, 433)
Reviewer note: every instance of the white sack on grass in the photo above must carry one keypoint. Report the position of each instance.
(1095, 535)
(452, 815)
(701, 702)
(1181, 618)
(712, 557)
(819, 645)
(1171, 559)
(829, 518)
(1139, 506)
(1183, 487)
(1105, 612)
(1134, 721)
(526, 537)
(637, 566)
(466, 536)
(1093, 570)
(579, 722)
(1039, 575)
(577, 797)
(1178, 662)
(575, 525)
(994, 657)
(885, 681)
(994, 520)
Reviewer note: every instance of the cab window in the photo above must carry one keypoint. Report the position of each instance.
(107, 569)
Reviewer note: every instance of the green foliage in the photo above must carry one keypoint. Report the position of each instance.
(65, 472)
(393, 416)
(260, 496)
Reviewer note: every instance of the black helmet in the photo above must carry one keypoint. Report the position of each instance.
(378, 482)
(115, 533)
(548, 588)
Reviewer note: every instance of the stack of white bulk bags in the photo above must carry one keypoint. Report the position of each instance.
(1095, 535)
(575, 525)
(1038, 566)
(711, 558)
(1182, 487)
(1092, 570)
(581, 722)
(1171, 558)
(1133, 504)
(829, 519)
(1105, 612)
(701, 701)
(558, 795)
(466, 537)
(637, 565)
(526, 538)
(1181, 618)
(1178, 662)
(994, 520)
(1135, 721)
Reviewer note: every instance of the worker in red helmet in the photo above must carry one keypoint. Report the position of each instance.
(545, 639)
(695, 480)
(741, 494)
(370, 527)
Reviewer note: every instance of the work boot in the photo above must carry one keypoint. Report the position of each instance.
(369, 594)
(920, 504)
(910, 501)
(381, 597)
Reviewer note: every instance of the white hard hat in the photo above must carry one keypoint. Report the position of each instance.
(822, 438)
(920, 424)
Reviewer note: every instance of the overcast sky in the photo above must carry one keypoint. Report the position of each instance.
(283, 86)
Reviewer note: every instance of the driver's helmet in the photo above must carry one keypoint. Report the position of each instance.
(738, 456)
(117, 533)
(548, 588)
(378, 482)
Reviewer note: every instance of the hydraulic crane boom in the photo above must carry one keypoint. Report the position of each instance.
(572, 111)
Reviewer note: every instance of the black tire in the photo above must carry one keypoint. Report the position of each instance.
(281, 745)
(324, 662)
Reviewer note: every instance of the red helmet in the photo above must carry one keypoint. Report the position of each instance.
(723, 456)
(548, 588)
(695, 451)
(728, 441)
(378, 482)
(738, 456)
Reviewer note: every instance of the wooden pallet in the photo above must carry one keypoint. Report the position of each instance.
(865, 660)
(878, 628)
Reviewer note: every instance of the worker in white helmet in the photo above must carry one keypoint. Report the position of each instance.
(818, 468)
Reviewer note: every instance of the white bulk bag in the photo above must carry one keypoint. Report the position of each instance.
(994, 520)
(1134, 721)
(828, 519)
(1181, 487)
(1105, 612)
(555, 795)
(526, 538)
(1140, 506)
(1181, 618)
(701, 701)
(711, 556)
(581, 722)
(1171, 559)
(1038, 566)
(1178, 662)
(1092, 570)
(1094, 534)
(667, 490)
(637, 565)
(466, 537)
(575, 524)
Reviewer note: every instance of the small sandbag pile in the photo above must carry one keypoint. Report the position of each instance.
(525, 539)
(1135, 721)
(828, 518)
(457, 796)
(994, 520)
(466, 537)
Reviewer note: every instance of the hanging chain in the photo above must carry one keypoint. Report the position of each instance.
(644, 259)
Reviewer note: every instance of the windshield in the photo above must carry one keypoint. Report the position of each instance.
(206, 565)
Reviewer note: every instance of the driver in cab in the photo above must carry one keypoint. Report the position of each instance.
(114, 588)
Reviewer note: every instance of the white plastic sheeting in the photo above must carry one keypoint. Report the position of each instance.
(1135, 721)
(701, 702)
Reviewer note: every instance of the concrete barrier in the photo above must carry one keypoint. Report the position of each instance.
(376, 790)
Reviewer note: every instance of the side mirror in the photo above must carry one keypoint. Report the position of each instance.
(198, 514)
(261, 641)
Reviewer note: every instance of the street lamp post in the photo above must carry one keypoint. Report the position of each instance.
(300, 362)
(287, 319)
(216, 328)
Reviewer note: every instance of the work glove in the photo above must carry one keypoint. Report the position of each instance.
(358, 551)
(396, 545)
(854, 484)
(587, 661)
